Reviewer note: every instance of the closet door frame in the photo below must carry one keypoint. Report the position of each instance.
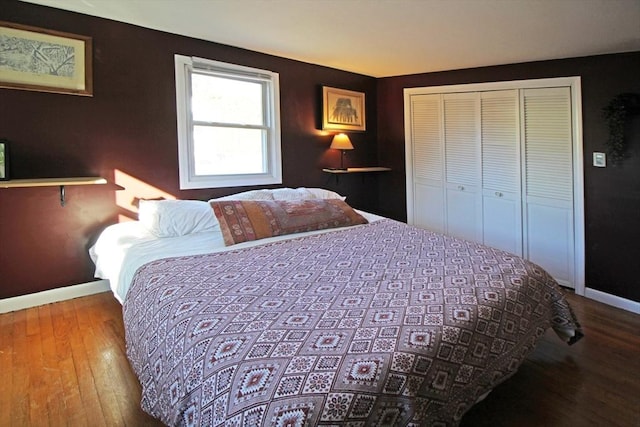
(574, 84)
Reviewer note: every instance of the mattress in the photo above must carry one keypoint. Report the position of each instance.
(124, 247)
(377, 324)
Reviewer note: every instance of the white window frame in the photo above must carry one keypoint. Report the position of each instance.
(185, 66)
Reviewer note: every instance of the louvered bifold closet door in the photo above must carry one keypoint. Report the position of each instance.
(462, 165)
(500, 144)
(548, 181)
(428, 169)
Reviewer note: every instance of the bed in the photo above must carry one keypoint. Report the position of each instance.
(354, 321)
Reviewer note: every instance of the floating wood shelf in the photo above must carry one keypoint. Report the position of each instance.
(357, 170)
(53, 182)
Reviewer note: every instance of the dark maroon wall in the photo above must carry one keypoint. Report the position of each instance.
(612, 194)
(129, 125)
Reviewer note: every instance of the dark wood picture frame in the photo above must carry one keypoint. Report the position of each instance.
(44, 60)
(343, 110)
(4, 160)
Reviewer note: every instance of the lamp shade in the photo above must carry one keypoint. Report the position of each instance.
(341, 142)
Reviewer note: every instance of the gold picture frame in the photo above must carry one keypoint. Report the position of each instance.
(343, 110)
(45, 60)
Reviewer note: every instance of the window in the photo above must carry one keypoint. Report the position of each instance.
(228, 124)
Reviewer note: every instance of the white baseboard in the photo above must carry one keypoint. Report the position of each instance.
(53, 295)
(90, 288)
(623, 303)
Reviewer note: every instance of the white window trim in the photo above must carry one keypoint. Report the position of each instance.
(184, 65)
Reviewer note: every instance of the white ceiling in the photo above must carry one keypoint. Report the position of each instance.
(383, 38)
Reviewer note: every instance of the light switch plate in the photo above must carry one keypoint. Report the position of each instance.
(599, 160)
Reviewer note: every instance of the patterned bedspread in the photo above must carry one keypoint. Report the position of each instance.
(381, 324)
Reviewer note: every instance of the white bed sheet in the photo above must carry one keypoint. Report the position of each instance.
(123, 248)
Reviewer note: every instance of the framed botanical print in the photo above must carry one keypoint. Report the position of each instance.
(43, 60)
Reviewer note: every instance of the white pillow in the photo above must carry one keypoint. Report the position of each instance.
(321, 193)
(172, 218)
(248, 195)
(300, 193)
(292, 194)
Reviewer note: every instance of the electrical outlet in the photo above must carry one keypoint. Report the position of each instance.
(599, 160)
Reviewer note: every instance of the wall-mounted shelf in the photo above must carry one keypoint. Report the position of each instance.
(357, 170)
(371, 169)
(53, 182)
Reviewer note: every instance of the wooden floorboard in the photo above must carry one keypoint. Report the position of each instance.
(595, 382)
(65, 364)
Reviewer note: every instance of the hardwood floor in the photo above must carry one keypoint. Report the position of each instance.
(595, 382)
(65, 364)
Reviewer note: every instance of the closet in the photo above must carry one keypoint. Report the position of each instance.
(501, 164)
